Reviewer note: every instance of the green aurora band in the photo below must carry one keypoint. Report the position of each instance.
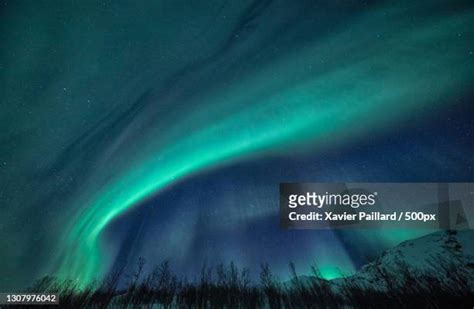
(348, 85)
(106, 105)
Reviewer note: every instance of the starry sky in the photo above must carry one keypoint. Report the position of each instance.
(161, 129)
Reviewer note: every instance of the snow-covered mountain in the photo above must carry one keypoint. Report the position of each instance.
(444, 255)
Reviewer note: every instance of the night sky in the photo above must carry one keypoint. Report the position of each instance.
(161, 129)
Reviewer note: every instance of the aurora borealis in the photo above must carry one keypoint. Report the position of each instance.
(162, 129)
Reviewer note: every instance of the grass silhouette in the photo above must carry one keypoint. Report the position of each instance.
(227, 286)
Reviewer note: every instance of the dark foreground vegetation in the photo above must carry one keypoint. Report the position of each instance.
(226, 286)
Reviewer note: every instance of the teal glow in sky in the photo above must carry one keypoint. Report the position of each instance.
(151, 97)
